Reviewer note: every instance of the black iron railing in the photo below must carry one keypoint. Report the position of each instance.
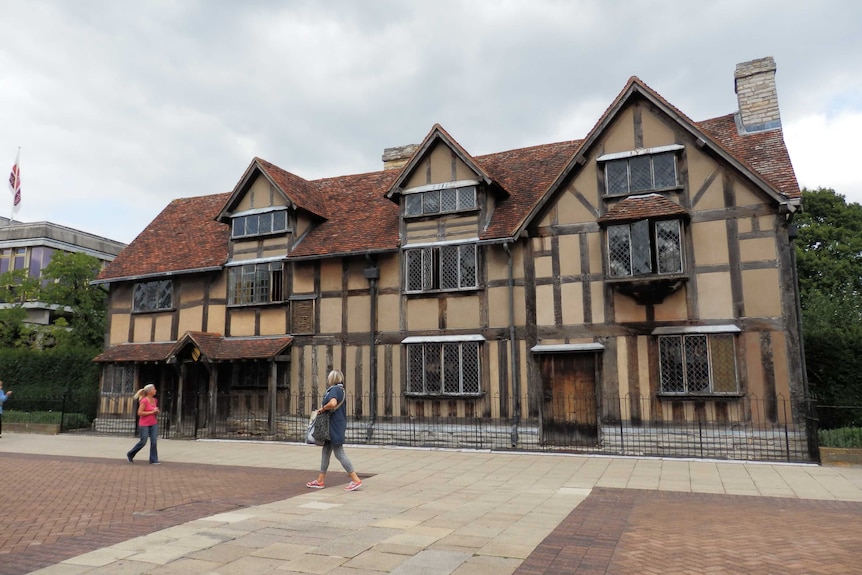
(743, 428)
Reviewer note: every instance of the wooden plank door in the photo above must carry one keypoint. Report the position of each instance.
(569, 410)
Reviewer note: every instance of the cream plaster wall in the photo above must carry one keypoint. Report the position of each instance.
(358, 313)
(655, 129)
(620, 137)
(303, 278)
(422, 314)
(545, 305)
(242, 322)
(143, 328)
(163, 327)
(190, 319)
(330, 275)
(119, 328)
(757, 249)
(330, 315)
(674, 307)
(463, 312)
(597, 300)
(572, 295)
(570, 255)
(273, 321)
(627, 310)
(761, 293)
(714, 297)
(710, 243)
(388, 312)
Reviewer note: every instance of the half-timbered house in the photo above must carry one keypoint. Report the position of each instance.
(632, 291)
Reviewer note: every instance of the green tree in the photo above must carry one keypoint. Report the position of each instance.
(69, 284)
(829, 264)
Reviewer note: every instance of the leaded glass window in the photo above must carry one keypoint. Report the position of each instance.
(641, 173)
(440, 201)
(443, 368)
(432, 268)
(698, 364)
(153, 296)
(255, 283)
(644, 247)
(259, 224)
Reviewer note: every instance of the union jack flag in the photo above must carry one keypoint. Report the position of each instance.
(15, 183)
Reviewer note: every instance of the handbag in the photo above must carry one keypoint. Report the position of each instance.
(319, 425)
(309, 430)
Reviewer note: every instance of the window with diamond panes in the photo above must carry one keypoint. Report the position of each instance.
(153, 296)
(440, 268)
(641, 173)
(698, 364)
(255, 283)
(118, 380)
(440, 201)
(632, 247)
(450, 368)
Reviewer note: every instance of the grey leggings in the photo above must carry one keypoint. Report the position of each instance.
(338, 450)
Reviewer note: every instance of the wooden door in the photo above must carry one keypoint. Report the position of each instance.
(569, 410)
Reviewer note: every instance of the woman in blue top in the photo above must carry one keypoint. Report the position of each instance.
(3, 397)
(333, 401)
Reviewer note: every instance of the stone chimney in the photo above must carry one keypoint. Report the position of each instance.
(754, 83)
(395, 158)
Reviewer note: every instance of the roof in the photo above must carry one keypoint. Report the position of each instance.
(136, 352)
(184, 237)
(213, 347)
(635, 208)
(355, 216)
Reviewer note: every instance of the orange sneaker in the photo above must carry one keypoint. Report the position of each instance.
(353, 486)
(315, 484)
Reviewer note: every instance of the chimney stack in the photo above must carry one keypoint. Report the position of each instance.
(754, 82)
(395, 158)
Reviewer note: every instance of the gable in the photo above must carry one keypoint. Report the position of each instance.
(440, 164)
(260, 194)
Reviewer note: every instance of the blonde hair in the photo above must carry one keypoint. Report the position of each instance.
(144, 391)
(334, 378)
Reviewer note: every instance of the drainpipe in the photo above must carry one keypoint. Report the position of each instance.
(516, 376)
(372, 274)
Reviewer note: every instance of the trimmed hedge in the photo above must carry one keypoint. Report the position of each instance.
(69, 375)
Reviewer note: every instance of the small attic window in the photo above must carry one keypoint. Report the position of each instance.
(259, 224)
(641, 170)
(443, 201)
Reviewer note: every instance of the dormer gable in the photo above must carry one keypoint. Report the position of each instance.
(267, 201)
(439, 163)
(618, 161)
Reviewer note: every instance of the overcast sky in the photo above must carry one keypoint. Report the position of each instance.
(121, 106)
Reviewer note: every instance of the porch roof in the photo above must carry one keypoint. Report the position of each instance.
(216, 347)
(136, 352)
(213, 346)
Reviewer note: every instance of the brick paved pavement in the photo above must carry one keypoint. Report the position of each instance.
(636, 532)
(236, 508)
(54, 508)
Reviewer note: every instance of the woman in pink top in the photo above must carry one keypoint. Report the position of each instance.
(148, 424)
